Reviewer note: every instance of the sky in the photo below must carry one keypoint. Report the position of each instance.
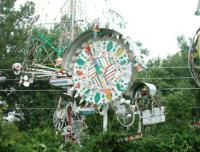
(155, 23)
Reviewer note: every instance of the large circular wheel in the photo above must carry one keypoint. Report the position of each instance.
(101, 67)
(194, 57)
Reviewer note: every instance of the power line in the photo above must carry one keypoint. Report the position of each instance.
(19, 79)
(6, 69)
(161, 78)
(56, 90)
(167, 78)
(177, 67)
(31, 90)
(36, 108)
(179, 89)
(49, 108)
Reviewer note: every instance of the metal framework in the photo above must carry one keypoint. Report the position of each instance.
(94, 66)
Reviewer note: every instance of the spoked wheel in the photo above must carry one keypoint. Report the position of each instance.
(125, 114)
(59, 119)
(194, 57)
(79, 129)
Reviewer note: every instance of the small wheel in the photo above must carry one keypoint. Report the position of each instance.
(125, 114)
(79, 129)
(59, 119)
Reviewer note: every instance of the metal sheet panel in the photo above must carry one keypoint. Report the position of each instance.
(154, 116)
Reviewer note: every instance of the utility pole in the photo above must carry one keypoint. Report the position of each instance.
(72, 18)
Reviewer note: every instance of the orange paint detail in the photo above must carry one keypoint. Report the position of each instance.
(80, 73)
(108, 94)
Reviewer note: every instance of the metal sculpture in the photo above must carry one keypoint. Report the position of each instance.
(95, 68)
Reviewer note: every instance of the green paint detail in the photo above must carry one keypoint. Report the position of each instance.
(109, 46)
(87, 92)
(135, 62)
(111, 60)
(80, 61)
(123, 62)
(119, 87)
(97, 97)
(87, 112)
(97, 69)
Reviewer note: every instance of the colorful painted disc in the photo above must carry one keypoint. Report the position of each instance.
(102, 71)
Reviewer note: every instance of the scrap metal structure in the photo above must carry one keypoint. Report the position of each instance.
(95, 65)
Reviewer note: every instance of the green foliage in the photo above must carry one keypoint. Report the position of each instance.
(172, 142)
(13, 30)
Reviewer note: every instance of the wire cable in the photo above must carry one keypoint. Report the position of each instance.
(167, 78)
(56, 90)
(31, 90)
(49, 108)
(177, 67)
(148, 78)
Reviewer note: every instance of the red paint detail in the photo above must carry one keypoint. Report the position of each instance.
(62, 71)
(130, 138)
(78, 85)
(88, 50)
(197, 124)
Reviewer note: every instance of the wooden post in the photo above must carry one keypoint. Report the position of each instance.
(139, 123)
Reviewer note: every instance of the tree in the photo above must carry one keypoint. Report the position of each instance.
(14, 25)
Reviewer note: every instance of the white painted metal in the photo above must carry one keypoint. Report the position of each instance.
(105, 117)
(154, 116)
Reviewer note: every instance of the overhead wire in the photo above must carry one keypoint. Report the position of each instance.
(164, 78)
(50, 108)
(177, 67)
(142, 78)
(31, 90)
(56, 90)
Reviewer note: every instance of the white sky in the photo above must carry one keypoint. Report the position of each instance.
(155, 23)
